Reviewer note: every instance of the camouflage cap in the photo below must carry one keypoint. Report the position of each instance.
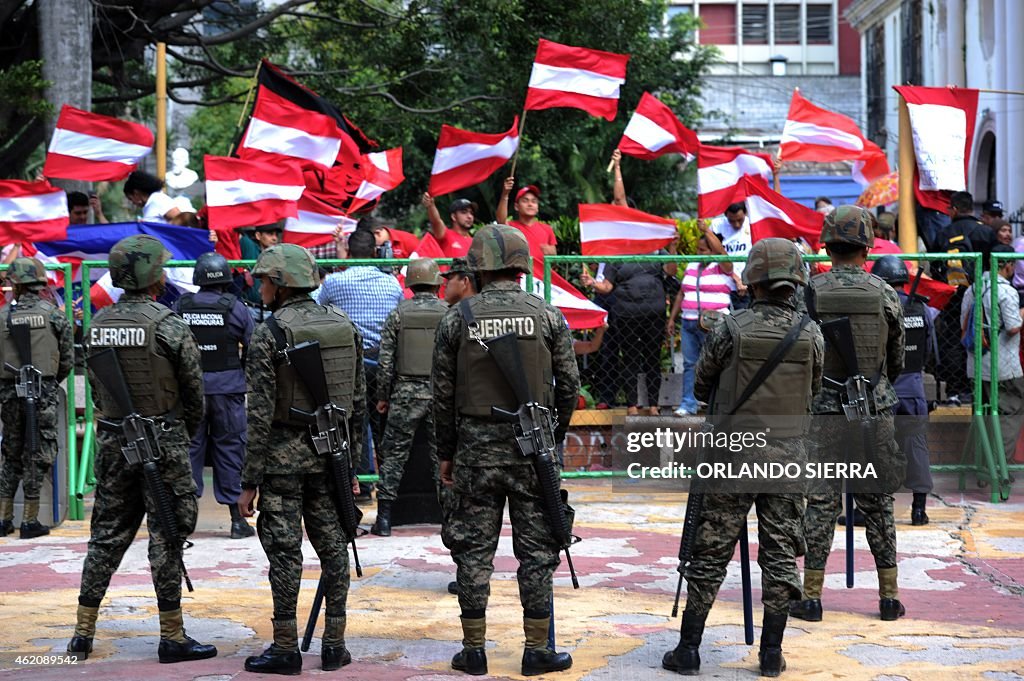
(849, 224)
(423, 272)
(137, 262)
(458, 266)
(776, 262)
(27, 271)
(288, 265)
(498, 247)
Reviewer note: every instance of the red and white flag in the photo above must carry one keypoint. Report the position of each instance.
(466, 158)
(383, 172)
(772, 214)
(32, 211)
(720, 174)
(576, 77)
(617, 230)
(580, 311)
(815, 134)
(246, 193)
(103, 292)
(942, 120)
(94, 148)
(315, 222)
(654, 130)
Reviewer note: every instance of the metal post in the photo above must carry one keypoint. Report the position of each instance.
(161, 110)
(907, 165)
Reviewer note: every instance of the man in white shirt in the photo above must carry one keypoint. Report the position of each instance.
(733, 230)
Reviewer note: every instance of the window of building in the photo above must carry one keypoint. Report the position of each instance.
(787, 24)
(819, 24)
(719, 25)
(755, 24)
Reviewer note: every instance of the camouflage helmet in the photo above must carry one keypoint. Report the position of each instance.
(891, 269)
(27, 271)
(774, 262)
(498, 247)
(137, 262)
(423, 272)
(849, 225)
(288, 265)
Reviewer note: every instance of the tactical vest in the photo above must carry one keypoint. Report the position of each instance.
(43, 339)
(862, 302)
(915, 323)
(479, 383)
(209, 324)
(336, 335)
(783, 402)
(150, 376)
(416, 337)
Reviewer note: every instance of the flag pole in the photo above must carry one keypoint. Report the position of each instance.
(245, 107)
(907, 164)
(515, 157)
(161, 110)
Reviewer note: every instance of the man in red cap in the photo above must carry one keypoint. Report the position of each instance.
(539, 234)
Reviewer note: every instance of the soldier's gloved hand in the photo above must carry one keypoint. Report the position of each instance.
(245, 502)
(447, 469)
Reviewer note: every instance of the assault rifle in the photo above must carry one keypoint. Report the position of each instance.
(142, 447)
(328, 429)
(28, 385)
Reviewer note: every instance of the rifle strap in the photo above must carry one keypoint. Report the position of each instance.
(278, 333)
(811, 301)
(778, 353)
(467, 312)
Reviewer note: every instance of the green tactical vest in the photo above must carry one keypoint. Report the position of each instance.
(479, 383)
(782, 403)
(336, 335)
(150, 375)
(862, 302)
(43, 339)
(416, 337)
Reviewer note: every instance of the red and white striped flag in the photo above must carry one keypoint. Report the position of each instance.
(815, 134)
(772, 214)
(720, 173)
(616, 230)
(466, 158)
(32, 211)
(91, 147)
(103, 292)
(654, 130)
(580, 312)
(382, 172)
(315, 222)
(576, 77)
(246, 193)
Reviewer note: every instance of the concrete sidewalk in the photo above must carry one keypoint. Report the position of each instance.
(962, 580)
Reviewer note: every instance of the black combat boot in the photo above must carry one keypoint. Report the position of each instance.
(283, 656)
(240, 529)
(685, 658)
(382, 526)
(453, 588)
(85, 629)
(80, 647)
(472, 659)
(6, 516)
(773, 626)
(858, 518)
(538, 658)
(30, 525)
(809, 609)
(175, 644)
(333, 653)
(917, 512)
(889, 606)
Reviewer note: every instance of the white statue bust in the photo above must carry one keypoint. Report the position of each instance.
(180, 176)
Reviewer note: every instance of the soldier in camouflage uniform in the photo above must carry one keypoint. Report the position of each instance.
(403, 382)
(876, 319)
(733, 353)
(293, 482)
(52, 346)
(160, 361)
(478, 454)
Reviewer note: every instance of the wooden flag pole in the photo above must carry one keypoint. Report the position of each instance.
(515, 157)
(161, 110)
(907, 164)
(245, 107)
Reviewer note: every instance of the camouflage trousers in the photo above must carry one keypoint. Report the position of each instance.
(404, 417)
(284, 502)
(823, 506)
(474, 526)
(780, 541)
(20, 466)
(122, 500)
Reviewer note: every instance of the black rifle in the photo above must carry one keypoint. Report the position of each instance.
(28, 385)
(142, 446)
(856, 406)
(328, 429)
(535, 435)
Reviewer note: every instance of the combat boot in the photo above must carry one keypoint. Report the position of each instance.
(773, 626)
(283, 656)
(6, 516)
(858, 518)
(382, 526)
(472, 659)
(809, 609)
(538, 658)
(240, 529)
(175, 645)
(333, 653)
(30, 525)
(85, 630)
(917, 512)
(685, 658)
(889, 606)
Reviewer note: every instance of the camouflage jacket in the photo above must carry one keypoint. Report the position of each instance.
(474, 441)
(387, 376)
(65, 334)
(278, 449)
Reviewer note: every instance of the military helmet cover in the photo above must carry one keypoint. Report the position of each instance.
(892, 269)
(423, 271)
(498, 247)
(137, 262)
(27, 271)
(211, 268)
(776, 262)
(458, 266)
(288, 265)
(849, 224)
